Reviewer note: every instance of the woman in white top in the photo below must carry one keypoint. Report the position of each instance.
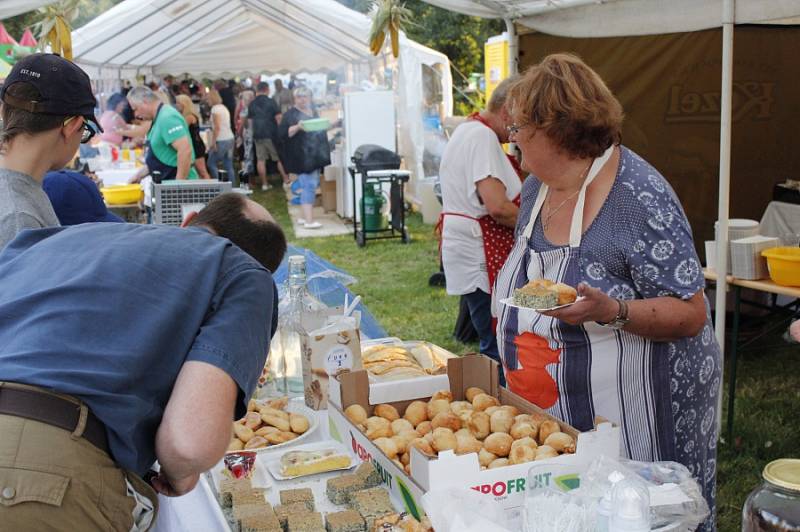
(221, 145)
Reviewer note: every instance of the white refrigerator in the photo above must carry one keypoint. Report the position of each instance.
(369, 118)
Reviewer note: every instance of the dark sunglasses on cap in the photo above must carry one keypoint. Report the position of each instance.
(89, 129)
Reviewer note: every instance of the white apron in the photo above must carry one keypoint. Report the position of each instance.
(578, 372)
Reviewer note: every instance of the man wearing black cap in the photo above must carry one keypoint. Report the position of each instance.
(47, 111)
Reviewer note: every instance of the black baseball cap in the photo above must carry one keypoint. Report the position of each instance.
(64, 89)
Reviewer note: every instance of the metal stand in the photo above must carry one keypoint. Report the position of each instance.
(397, 220)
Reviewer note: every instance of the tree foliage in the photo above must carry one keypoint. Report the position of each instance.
(459, 37)
(87, 10)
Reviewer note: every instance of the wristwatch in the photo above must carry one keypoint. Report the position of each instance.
(621, 319)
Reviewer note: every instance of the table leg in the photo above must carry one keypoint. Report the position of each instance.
(737, 290)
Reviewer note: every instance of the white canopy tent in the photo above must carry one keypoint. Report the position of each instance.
(11, 8)
(228, 38)
(613, 18)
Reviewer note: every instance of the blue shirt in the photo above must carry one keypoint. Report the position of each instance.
(109, 313)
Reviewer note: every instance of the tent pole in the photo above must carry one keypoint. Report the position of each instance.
(513, 46)
(728, 19)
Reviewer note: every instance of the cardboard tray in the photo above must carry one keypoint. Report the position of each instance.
(504, 486)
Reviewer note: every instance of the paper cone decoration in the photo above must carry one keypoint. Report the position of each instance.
(28, 39)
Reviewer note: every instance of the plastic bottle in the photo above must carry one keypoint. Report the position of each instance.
(630, 502)
(286, 359)
(604, 510)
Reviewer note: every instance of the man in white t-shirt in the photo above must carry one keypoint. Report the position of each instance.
(480, 196)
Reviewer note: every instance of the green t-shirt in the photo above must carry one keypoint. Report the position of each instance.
(168, 127)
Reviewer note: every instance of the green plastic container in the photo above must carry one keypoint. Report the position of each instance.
(316, 124)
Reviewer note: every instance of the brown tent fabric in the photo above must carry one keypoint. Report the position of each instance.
(669, 86)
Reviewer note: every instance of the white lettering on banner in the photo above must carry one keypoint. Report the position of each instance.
(174, 129)
(30, 73)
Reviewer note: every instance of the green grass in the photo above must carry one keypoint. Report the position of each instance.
(393, 280)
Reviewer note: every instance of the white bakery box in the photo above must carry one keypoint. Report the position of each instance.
(504, 486)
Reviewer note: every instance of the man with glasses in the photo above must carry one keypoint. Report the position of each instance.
(170, 154)
(47, 111)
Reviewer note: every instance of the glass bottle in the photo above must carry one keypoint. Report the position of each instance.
(775, 504)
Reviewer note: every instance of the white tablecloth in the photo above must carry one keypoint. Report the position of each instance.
(199, 509)
(780, 219)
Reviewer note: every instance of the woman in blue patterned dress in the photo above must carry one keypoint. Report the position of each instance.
(638, 349)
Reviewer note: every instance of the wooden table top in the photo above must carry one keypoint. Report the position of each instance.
(764, 285)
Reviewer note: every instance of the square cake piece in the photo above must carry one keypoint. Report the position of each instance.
(260, 522)
(304, 495)
(305, 522)
(339, 489)
(283, 511)
(372, 504)
(227, 486)
(346, 521)
(368, 475)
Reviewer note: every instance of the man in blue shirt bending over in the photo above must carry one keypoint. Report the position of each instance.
(121, 344)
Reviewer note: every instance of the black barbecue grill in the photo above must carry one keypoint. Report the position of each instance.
(377, 165)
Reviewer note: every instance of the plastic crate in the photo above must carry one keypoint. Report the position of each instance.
(170, 197)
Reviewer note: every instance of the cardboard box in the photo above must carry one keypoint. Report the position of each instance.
(327, 351)
(504, 486)
(328, 195)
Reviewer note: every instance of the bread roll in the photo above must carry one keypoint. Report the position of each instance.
(387, 412)
(547, 428)
(483, 401)
(471, 392)
(457, 407)
(401, 425)
(485, 457)
(356, 414)
(513, 410)
(561, 442)
(405, 459)
(236, 445)
(479, 424)
(388, 446)
(422, 444)
(436, 406)
(544, 452)
(522, 429)
(498, 443)
(416, 412)
(492, 409)
(524, 417)
(521, 454)
(500, 462)
(501, 421)
(252, 406)
(446, 419)
(280, 437)
(378, 427)
(528, 441)
(252, 420)
(273, 412)
(442, 394)
(424, 428)
(444, 440)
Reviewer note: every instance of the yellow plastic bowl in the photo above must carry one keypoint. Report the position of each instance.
(784, 265)
(122, 194)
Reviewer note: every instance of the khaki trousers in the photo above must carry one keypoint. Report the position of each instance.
(51, 479)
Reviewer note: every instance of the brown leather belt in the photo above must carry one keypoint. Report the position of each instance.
(53, 410)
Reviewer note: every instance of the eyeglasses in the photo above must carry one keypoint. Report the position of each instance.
(513, 129)
(89, 129)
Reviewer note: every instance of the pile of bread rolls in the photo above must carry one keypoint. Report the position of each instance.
(267, 424)
(499, 434)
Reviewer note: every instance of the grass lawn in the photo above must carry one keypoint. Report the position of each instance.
(393, 281)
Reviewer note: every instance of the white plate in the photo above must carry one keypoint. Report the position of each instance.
(274, 465)
(296, 406)
(509, 302)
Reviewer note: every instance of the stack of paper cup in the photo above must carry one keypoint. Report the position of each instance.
(737, 228)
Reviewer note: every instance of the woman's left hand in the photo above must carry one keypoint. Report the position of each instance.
(595, 306)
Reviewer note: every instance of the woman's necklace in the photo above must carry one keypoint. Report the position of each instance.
(552, 212)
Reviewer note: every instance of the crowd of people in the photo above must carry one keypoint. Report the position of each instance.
(248, 126)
